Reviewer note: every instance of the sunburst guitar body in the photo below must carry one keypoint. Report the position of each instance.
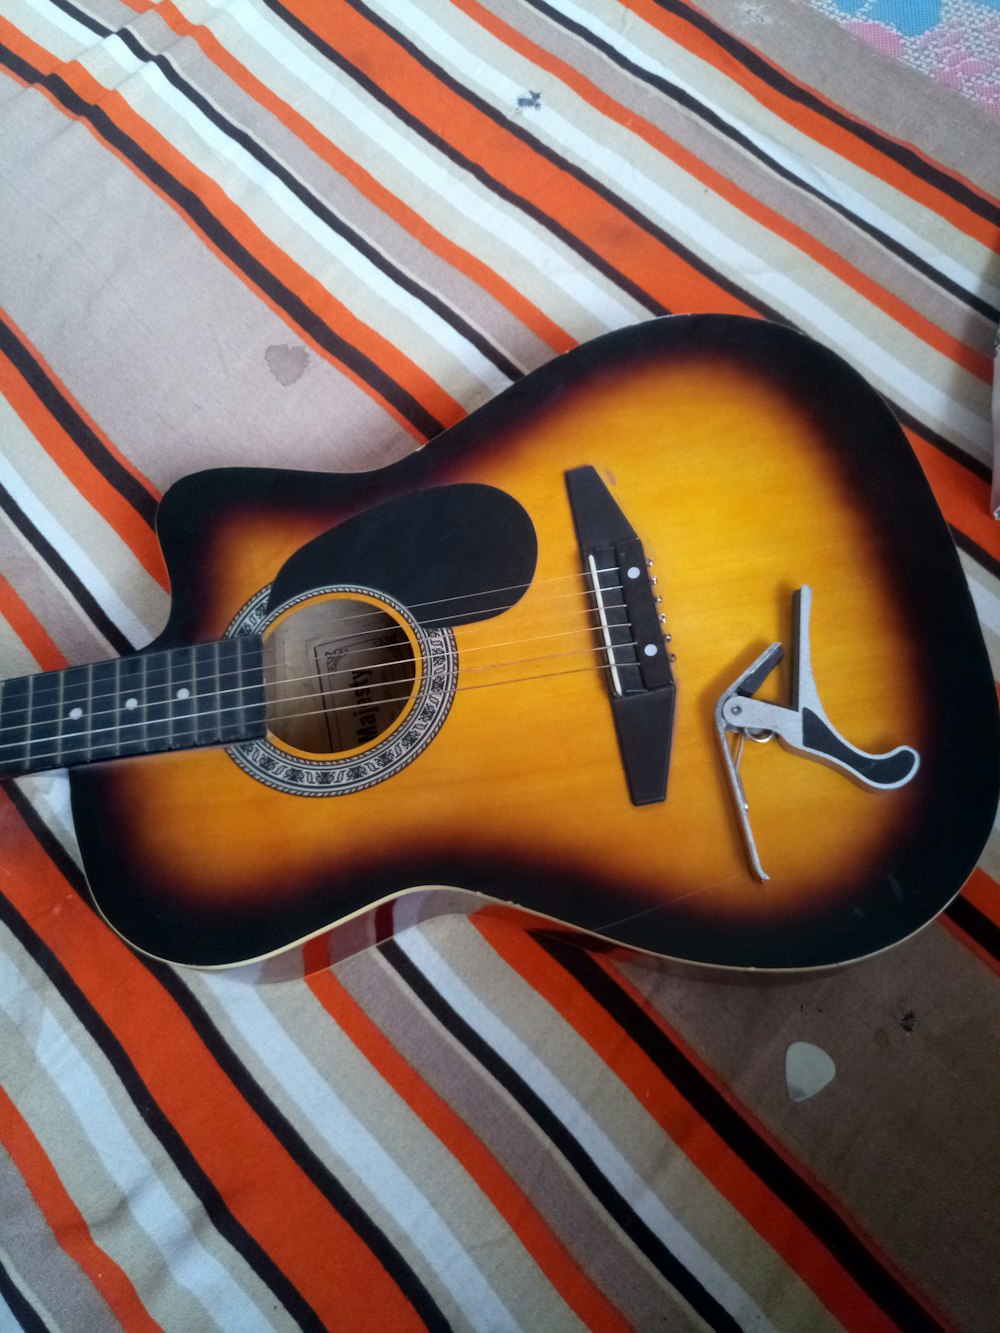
(517, 664)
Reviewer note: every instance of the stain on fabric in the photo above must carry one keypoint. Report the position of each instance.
(286, 363)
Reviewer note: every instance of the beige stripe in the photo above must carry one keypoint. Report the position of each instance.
(437, 276)
(439, 1180)
(736, 103)
(523, 253)
(705, 1214)
(175, 365)
(33, 1255)
(906, 1135)
(56, 610)
(595, 1243)
(750, 254)
(57, 1124)
(73, 514)
(904, 103)
(801, 209)
(340, 270)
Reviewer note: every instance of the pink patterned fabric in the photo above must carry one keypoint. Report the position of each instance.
(954, 42)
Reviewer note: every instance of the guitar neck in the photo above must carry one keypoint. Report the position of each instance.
(170, 699)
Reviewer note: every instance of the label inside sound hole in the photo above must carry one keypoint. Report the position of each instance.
(365, 682)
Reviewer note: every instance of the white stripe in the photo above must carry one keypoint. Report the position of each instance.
(81, 564)
(48, 794)
(411, 160)
(360, 1152)
(362, 270)
(575, 1117)
(63, 23)
(8, 1324)
(162, 1220)
(926, 399)
(984, 596)
(802, 163)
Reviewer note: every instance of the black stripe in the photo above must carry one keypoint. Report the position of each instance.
(283, 1132)
(22, 1310)
(300, 1152)
(747, 145)
(640, 220)
(943, 446)
(320, 210)
(975, 552)
(81, 594)
(81, 16)
(976, 925)
(777, 1174)
(561, 1139)
(48, 393)
(900, 153)
(210, 226)
(159, 1125)
(519, 202)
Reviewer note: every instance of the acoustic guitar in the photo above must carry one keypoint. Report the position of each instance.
(539, 662)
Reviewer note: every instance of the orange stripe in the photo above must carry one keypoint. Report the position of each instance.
(574, 206)
(964, 498)
(510, 1201)
(850, 1311)
(337, 316)
(29, 630)
(458, 258)
(78, 469)
(311, 292)
(776, 1223)
(320, 1253)
(67, 1223)
(973, 945)
(983, 892)
(821, 129)
(929, 332)
(88, 420)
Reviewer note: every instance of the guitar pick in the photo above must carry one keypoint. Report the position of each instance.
(808, 1069)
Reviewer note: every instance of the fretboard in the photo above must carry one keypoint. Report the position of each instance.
(172, 699)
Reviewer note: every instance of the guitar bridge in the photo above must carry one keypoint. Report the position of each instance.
(640, 678)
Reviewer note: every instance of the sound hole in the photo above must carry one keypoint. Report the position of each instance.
(339, 673)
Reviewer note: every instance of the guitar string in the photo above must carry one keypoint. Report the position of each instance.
(490, 612)
(255, 672)
(375, 611)
(510, 587)
(311, 712)
(327, 693)
(248, 673)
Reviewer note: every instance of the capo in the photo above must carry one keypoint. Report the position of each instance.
(801, 726)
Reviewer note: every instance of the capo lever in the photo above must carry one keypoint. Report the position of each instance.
(802, 726)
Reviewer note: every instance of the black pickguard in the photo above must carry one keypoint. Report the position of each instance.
(435, 551)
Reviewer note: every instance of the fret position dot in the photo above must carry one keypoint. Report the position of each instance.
(131, 703)
(183, 693)
(75, 714)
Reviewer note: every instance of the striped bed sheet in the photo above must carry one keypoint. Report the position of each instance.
(313, 233)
